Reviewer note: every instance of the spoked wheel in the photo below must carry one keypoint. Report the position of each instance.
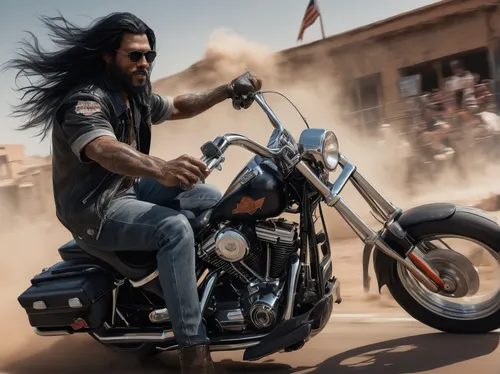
(470, 302)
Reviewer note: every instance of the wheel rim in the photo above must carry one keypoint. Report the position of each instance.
(464, 308)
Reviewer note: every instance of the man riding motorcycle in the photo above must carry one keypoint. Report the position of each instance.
(109, 192)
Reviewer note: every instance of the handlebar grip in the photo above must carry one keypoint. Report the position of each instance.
(210, 150)
(213, 153)
(242, 101)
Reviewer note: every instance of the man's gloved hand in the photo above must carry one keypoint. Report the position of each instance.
(243, 85)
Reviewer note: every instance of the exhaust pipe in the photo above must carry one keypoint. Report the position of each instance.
(233, 347)
(227, 344)
(167, 336)
(117, 337)
(51, 332)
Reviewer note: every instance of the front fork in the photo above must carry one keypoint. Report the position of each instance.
(412, 258)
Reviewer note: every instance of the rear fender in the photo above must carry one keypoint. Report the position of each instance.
(384, 264)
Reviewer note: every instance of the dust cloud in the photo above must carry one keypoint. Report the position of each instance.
(31, 244)
(316, 94)
(227, 56)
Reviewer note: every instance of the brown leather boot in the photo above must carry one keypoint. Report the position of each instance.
(196, 360)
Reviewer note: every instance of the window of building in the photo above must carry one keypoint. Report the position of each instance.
(429, 79)
(365, 98)
(434, 73)
(476, 61)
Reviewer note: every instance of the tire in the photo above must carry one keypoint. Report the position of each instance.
(468, 223)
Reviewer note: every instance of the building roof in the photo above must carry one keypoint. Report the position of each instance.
(402, 22)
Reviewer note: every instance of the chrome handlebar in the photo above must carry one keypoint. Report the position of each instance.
(213, 154)
(259, 98)
(227, 140)
(248, 144)
(224, 142)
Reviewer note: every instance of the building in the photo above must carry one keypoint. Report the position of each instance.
(12, 157)
(25, 185)
(379, 64)
(382, 63)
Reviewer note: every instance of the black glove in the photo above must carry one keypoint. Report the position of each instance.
(243, 85)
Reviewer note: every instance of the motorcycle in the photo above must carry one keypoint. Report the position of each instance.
(266, 284)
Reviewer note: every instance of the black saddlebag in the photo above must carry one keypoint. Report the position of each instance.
(70, 295)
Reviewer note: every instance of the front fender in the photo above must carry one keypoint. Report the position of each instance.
(382, 263)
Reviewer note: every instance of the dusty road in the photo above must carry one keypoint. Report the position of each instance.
(387, 341)
(390, 344)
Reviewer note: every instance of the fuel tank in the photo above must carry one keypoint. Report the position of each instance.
(257, 192)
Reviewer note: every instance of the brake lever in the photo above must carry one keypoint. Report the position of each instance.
(216, 163)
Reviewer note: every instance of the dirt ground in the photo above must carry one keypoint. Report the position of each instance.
(35, 248)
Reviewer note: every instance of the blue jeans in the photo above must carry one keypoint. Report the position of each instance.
(152, 217)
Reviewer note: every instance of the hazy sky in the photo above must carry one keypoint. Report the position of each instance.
(274, 23)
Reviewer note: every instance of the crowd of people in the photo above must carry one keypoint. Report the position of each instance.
(465, 106)
(457, 126)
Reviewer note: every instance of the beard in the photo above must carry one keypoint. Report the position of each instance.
(126, 80)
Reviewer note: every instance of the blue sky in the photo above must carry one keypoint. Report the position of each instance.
(183, 28)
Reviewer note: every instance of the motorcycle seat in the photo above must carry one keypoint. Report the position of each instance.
(134, 265)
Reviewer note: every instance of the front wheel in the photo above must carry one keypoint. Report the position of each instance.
(472, 273)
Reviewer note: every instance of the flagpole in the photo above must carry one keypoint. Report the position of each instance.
(320, 20)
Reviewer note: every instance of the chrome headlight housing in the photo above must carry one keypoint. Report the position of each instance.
(321, 145)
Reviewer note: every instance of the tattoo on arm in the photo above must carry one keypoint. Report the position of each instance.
(122, 159)
(192, 104)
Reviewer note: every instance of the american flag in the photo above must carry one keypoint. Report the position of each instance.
(312, 13)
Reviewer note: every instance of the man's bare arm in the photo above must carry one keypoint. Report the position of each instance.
(121, 158)
(191, 104)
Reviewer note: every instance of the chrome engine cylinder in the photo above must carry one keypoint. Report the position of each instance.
(282, 236)
(252, 252)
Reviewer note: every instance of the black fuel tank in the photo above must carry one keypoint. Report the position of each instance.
(257, 192)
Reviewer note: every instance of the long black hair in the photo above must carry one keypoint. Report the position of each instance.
(78, 61)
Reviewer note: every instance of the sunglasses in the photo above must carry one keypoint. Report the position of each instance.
(136, 56)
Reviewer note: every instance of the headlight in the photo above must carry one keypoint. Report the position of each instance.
(322, 145)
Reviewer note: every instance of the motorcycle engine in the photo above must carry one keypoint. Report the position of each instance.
(252, 252)
(257, 255)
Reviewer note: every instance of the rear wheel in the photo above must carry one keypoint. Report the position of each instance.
(462, 309)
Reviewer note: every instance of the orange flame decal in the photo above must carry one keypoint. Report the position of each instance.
(248, 205)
